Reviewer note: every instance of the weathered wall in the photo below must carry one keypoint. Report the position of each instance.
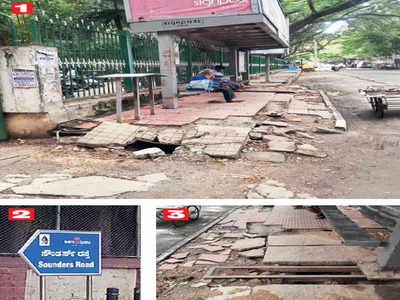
(38, 101)
(17, 282)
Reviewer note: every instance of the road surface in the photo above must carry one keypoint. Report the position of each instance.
(169, 235)
(365, 161)
(382, 76)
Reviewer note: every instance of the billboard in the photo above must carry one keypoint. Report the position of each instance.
(142, 10)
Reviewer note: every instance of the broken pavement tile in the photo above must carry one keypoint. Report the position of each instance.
(310, 150)
(278, 146)
(248, 244)
(216, 258)
(182, 255)
(5, 186)
(148, 153)
(167, 267)
(255, 253)
(273, 157)
(277, 124)
(327, 130)
(173, 261)
(188, 264)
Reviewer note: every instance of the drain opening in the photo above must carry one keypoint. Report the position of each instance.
(141, 145)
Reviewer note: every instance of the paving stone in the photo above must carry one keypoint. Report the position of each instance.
(254, 195)
(277, 124)
(188, 264)
(180, 255)
(173, 261)
(16, 178)
(148, 153)
(263, 129)
(275, 138)
(204, 262)
(273, 192)
(256, 253)
(233, 235)
(256, 136)
(327, 130)
(5, 186)
(226, 252)
(50, 178)
(273, 157)
(171, 136)
(167, 267)
(311, 255)
(304, 135)
(310, 150)
(209, 236)
(147, 134)
(248, 244)
(319, 238)
(292, 218)
(212, 248)
(89, 187)
(216, 258)
(110, 134)
(153, 178)
(278, 146)
(222, 244)
(262, 230)
(224, 150)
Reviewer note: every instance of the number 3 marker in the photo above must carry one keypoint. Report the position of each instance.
(22, 8)
(21, 214)
(176, 214)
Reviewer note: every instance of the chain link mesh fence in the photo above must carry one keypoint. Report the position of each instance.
(117, 224)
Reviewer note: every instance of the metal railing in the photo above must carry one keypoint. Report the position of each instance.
(86, 51)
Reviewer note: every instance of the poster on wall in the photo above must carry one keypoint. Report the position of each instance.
(22, 78)
(45, 58)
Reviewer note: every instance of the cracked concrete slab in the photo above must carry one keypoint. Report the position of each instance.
(215, 258)
(313, 255)
(273, 157)
(5, 186)
(110, 134)
(148, 153)
(278, 146)
(248, 244)
(310, 150)
(88, 187)
(172, 136)
(255, 253)
(320, 238)
(231, 150)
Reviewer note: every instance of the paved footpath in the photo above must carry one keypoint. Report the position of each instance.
(280, 236)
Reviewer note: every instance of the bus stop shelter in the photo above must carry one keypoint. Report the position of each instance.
(238, 25)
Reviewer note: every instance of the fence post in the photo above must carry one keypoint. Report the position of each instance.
(189, 71)
(127, 55)
(34, 31)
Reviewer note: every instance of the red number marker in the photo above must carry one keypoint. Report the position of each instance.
(21, 8)
(176, 214)
(21, 214)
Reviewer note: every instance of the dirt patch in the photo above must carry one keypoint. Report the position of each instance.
(388, 292)
(259, 295)
(338, 297)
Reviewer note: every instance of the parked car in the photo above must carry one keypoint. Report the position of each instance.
(386, 66)
(364, 64)
(338, 67)
(308, 67)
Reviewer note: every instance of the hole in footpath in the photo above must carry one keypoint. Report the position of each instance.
(140, 145)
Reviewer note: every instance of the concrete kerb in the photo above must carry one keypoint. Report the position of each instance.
(295, 78)
(187, 240)
(340, 121)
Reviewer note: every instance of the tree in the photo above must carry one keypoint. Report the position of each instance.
(310, 18)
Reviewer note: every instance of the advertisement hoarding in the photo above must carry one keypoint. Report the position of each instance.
(162, 9)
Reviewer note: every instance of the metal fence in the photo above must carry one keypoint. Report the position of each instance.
(87, 51)
(118, 225)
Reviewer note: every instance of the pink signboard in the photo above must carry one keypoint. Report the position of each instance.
(161, 9)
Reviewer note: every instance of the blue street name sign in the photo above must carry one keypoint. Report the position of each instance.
(51, 252)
